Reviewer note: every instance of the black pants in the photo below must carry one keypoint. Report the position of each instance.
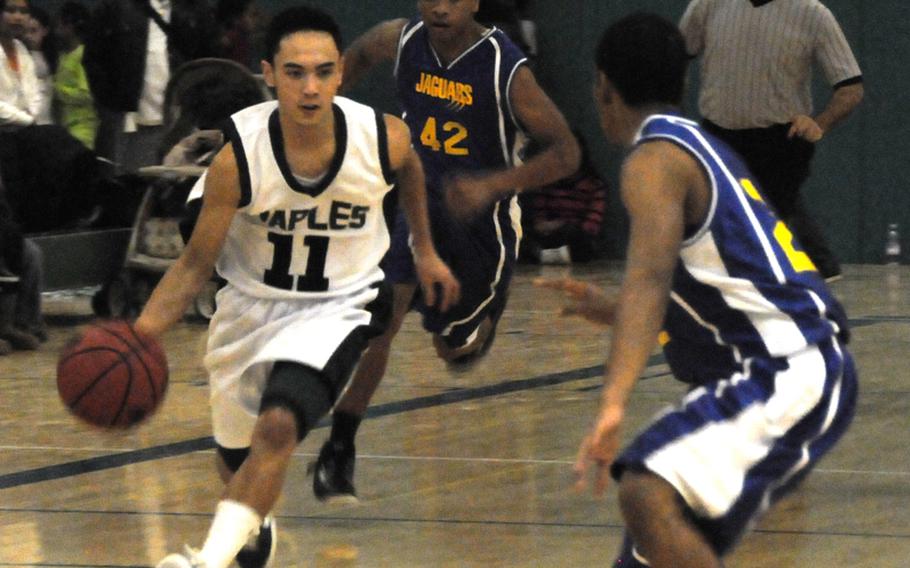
(781, 165)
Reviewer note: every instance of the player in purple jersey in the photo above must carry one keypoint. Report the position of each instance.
(714, 276)
(469, 98)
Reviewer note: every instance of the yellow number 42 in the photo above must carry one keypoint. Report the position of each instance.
(429, 137)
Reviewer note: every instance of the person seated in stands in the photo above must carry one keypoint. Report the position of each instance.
(20, 94)
(21, 281)
(42, 45)
(75, 103)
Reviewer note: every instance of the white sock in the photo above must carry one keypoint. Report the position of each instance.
(232, 526)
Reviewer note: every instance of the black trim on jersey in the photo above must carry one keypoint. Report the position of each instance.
(341, 146)
(382, 140)
(243, 167)
(341, 364)
(850, 81)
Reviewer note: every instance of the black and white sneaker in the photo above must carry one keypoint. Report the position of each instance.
(260, 551)
(333, 474)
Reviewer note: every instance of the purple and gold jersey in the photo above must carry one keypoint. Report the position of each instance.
(459, 114)
(743, 288)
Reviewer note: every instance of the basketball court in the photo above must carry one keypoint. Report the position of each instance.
(468, 469)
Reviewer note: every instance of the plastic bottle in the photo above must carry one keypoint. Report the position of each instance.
(892, 245)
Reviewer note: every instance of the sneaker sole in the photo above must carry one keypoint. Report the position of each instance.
(340, 500)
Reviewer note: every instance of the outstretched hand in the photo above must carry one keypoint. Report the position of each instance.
(584, 300)
(598, 449)
(437, 282)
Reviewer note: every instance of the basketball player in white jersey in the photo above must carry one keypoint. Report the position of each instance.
(294, 218)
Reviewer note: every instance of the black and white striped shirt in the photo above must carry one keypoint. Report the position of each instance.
(756, 66)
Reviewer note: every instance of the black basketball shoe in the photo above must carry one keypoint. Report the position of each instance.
(333, 474)
(260, 552)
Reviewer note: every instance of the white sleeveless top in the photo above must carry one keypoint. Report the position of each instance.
(290, 240)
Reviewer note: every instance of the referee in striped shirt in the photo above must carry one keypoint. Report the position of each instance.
(756, 71)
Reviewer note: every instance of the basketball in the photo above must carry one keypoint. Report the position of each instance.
(111, 376)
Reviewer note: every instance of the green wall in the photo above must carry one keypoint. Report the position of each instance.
(859, 182)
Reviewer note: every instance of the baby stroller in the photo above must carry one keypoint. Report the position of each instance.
(200, 96)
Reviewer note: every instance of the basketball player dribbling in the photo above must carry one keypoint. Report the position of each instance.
(470, 99)
(294, 218)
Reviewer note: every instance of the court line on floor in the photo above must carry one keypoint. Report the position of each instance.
(431, 521)
(99, 463)
(463, 459)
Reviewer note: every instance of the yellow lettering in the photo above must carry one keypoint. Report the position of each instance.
(750, 189)
(798, 259)
(440, 88)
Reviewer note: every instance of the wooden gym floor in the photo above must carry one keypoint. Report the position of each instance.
(455, 469)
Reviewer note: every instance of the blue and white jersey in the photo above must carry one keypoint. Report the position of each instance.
(743, 288)
(459, 114)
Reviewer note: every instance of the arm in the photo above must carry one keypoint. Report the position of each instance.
(378, 44)
(10, 114)
(559, 158)
(191, 271)
(71, 82)
(654, 186)
(431, 270)
(843, 101)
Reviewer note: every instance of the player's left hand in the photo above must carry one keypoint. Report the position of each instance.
(584, 300)
(806, 128)
(432, 272)
(467, 195)
(598, 449)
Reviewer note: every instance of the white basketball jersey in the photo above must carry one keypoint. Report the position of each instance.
(290, 240)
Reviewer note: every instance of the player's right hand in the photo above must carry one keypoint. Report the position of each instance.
(584, 300)
(437, 282)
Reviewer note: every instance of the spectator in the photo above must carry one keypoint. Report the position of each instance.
(756, 95)
(238, 21)
(130, 48)
(21, 324)
(20, 96)
(74, 98)
(42, 45)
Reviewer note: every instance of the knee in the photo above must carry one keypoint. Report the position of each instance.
(645, 499)
(633, 495)
(276, 430)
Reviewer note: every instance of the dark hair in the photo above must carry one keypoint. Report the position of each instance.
(299, 19)
(227, 11)
(76, 15)
(645, 58)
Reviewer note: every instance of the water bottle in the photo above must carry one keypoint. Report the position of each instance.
(892, 245)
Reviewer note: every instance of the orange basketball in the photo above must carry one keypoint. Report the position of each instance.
(112, 376)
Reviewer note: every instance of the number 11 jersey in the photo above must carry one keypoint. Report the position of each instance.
(293, 238)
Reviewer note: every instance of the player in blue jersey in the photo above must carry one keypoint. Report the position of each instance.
(470, 99)
(742, 314)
